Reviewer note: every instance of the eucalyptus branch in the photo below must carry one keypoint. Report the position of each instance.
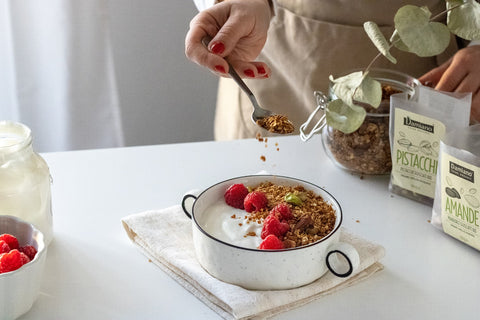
(380, 54)
(420, 35)
(446, 11)
(373, 61)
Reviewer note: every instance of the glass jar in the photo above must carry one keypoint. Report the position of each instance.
(366, 150)
(24, 179)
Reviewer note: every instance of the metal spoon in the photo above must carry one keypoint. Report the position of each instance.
(258, 112)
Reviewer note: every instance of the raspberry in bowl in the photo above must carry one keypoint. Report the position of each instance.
(286, 236)
(22, 260)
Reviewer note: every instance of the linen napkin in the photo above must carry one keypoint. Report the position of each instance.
(165, 237)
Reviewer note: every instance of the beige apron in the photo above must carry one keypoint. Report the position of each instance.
(309, 40)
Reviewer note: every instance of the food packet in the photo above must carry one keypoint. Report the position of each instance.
(416, 126)
(457, 193)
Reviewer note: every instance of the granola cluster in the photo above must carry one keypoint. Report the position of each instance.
(313, 218)
(277, 124)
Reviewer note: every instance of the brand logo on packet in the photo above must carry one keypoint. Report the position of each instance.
(407, 121)
(461, 172)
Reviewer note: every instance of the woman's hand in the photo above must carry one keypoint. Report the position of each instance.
(459, 74)
(238, 29)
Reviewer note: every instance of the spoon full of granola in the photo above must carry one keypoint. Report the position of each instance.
(266, 119)
(275, 123)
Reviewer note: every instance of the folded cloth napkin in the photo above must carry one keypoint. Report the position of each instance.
(165, 237)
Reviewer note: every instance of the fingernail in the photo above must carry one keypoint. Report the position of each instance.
(261, 70)
(220, 69)
(266, 76)
(217, 48)
(249, 73)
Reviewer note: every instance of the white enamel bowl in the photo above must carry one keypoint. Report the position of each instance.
(19, 289)
(267, 269)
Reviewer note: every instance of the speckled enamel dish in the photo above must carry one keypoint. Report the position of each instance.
(267, 269)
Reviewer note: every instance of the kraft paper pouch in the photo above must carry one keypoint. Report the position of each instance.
(457, 193)
(417, 125)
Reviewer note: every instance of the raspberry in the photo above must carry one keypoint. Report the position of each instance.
(25, 258)
(271, 243)
(282, 210)
(29, 251)
(255, 201)
(4, 247)
(272, 225)
(235, 195)
(10, 240)
(10, 261)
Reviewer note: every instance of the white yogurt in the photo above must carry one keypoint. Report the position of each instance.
(230, 225)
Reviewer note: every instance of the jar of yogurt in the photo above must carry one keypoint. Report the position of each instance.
(24, 179)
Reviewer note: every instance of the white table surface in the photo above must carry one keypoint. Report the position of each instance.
(93, 271)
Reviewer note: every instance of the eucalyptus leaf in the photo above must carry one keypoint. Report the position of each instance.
(344, 117)
(397, 42)
(378, 39)
(369, 92)
(418, 33)
(344, 87)
(463, 18)
(358, 87)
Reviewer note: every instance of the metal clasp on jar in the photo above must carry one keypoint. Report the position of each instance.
(322, 101)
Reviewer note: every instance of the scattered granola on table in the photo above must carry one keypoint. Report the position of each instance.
(276, 124)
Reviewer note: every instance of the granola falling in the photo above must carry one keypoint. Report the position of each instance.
(276, 124)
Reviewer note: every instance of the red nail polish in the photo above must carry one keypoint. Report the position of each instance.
(217, 48)
(261, 70)
(220, 69)
(249, 73)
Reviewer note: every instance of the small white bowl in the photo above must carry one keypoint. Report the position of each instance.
(19, 289)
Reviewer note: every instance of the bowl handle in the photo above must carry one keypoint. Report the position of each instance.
(188, 200)
(349, 256)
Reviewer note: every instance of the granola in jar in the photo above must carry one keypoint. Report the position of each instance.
(366, 150)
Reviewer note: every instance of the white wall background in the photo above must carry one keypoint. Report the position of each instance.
(164, 97)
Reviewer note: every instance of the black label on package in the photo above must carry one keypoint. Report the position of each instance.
(462, 172)
(407, 121)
